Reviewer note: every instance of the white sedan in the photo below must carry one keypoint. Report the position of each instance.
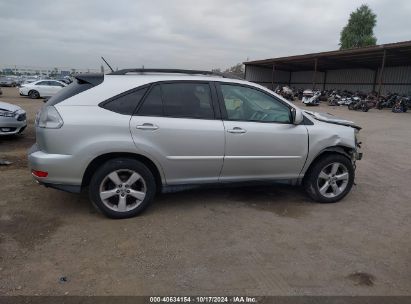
(41, 88)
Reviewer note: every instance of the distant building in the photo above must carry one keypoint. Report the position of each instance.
(43, 71)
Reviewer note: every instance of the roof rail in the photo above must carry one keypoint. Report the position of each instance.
(173, 71)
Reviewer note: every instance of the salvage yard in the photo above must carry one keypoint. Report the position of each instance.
(249, 240)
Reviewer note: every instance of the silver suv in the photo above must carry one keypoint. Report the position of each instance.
(131, 133)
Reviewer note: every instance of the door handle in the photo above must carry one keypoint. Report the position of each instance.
(236, 130)
(147, 126)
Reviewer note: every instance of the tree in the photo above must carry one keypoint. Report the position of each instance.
(359, 31)
(236, 70)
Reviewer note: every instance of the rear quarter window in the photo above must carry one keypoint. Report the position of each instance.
(125, 103)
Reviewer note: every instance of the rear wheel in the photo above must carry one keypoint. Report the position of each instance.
(34, 94)
(329, 179)
(122, 188)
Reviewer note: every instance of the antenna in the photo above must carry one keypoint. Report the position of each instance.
(107, 64)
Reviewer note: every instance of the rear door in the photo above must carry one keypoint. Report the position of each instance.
(178, 124)
(43, 88)
(261, 141)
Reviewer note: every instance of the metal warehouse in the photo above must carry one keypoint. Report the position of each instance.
(382, 68)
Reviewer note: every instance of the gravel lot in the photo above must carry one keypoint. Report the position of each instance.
(256, 241)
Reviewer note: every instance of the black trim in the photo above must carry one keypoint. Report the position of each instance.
(174, 71)
(224, 110)
(230, 184)
(306, 121)
(94, 79)
(66, 188)
(216, 104)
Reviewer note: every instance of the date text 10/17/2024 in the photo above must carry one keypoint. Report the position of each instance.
(205, 299)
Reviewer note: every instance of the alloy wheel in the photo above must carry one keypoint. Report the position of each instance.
(123, 190)
(333, 180)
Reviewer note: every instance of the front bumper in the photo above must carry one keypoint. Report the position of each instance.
(22, 91)
(63, 170)
(11, 126)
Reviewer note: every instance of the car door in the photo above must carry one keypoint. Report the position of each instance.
(42, 87)
(177, 125)
(261, 141)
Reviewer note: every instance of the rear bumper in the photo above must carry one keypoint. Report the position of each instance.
(63, 171)
(66, 188)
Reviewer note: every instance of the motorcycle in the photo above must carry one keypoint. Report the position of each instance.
(334, 98)
(311, 98)
(400, 105)
(359, 104)
(285, 92)
(387, 101)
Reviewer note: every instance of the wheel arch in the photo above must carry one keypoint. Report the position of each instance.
(341, 150)
(99, 160)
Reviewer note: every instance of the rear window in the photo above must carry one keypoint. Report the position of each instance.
(72, 89)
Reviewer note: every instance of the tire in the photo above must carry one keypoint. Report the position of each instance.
(350, 106)
(118, 203)
(364, 108)
(314, 184)
(34, 94)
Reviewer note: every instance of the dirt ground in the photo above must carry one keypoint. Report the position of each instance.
(256, 241)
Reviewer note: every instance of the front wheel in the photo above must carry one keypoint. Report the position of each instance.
(329, 179)
(122, 188)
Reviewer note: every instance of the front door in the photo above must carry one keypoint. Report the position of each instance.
(261, 141)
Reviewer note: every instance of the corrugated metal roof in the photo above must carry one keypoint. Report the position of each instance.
(397, 54)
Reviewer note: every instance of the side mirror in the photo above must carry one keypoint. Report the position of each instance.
(297, 116)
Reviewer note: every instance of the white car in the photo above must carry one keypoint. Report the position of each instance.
(41, 88)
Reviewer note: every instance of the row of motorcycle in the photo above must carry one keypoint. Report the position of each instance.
(354, 100)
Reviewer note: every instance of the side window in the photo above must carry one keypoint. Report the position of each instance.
(127, 103)
(56, 84)
(42, 83)
(153, 104)
(191, 100)
(247, 104)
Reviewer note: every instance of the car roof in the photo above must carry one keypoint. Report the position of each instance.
(114, 85)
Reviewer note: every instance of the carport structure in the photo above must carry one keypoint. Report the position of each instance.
(381, 68)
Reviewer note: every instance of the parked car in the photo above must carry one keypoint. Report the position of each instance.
(12, 119)
(41, 88)
(131, 133)
(7, 82)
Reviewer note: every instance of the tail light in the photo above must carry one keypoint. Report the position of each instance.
(49, 118)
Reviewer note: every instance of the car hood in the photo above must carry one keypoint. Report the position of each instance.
(4, 106)
(329, 118)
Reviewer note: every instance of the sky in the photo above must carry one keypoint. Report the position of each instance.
(180, 33)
